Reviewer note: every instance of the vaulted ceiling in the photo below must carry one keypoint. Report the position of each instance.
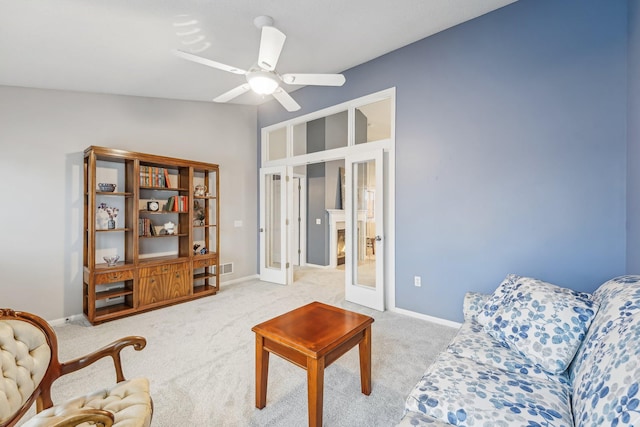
(125, 46)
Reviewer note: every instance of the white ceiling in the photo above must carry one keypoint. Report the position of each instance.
(124, 46)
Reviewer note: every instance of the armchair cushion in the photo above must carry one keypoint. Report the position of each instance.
(24, 358)
(129, 401)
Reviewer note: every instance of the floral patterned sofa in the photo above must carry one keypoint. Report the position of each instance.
(535, 354)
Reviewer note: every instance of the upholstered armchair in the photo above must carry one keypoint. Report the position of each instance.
(29, 364)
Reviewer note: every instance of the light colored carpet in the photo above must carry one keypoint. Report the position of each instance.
(200, 359)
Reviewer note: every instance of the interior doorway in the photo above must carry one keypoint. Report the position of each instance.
(344, 222)
(313, 150)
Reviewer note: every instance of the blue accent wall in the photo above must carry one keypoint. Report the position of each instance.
(633, 138)
(511, 149)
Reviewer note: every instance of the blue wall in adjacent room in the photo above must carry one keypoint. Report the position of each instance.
(633, 138)
(511, 139)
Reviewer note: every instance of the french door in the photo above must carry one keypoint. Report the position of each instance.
(275, 184)
(364, 222)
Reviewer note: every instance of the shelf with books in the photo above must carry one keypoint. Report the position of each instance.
(179, 203)
(154, 177)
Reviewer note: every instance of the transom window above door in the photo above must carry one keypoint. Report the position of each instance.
(365, 120)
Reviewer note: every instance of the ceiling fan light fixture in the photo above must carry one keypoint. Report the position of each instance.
(262, 82)
(262, 78)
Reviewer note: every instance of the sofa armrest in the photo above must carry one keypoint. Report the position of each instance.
(473, 304)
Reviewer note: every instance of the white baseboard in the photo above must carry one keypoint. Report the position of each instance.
(428, 318)
(240, 279)
(60, 322)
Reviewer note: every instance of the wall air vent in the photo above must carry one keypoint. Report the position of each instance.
(225, 268)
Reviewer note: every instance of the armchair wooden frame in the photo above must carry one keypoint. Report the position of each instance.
(42, 393)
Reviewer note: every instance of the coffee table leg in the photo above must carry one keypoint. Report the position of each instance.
(365, 362)
(315, 388)
(262, 372)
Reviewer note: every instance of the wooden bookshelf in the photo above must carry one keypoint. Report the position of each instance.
(153, 270)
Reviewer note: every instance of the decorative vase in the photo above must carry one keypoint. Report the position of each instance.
(102, 220)
(111, 224)
(111, 260)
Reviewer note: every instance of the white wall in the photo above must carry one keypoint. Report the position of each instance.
(43, 134)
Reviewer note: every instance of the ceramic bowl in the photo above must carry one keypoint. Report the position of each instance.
(111, 260)
(103, 186)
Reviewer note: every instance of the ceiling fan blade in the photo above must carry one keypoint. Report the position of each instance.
(271, 43)
(236, 91)
(208, 62)
(314, 79)
(286, 100)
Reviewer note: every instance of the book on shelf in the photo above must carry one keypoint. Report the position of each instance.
(177, 204)
(145, 227)
(151, 176)
(170, 204)
(166, 179)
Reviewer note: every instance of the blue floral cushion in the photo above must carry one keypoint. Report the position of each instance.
(606, 370)
(473, 342)
(544, 322)
(463, 392)
(500, 296)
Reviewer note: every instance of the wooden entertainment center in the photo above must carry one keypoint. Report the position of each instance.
(160, 216)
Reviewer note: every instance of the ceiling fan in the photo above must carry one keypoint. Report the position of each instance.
(262, 77)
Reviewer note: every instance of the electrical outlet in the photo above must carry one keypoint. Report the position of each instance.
(318, 221)
(417, 281)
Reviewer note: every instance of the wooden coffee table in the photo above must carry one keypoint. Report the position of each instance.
(312, 337)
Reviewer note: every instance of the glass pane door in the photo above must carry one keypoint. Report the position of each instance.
(364, 282)
(273, 225)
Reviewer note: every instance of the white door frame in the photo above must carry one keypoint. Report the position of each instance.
(299, 224)
(269, 273)
(372, 297)
(339, 154)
